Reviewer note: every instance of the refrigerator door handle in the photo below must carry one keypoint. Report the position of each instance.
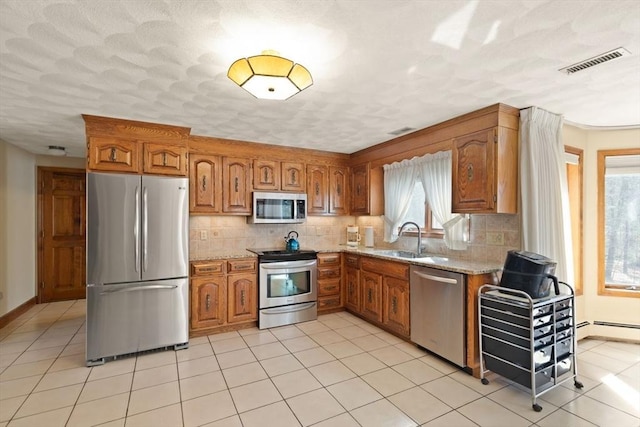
(145, 227)
(136, 230)
(137, 288)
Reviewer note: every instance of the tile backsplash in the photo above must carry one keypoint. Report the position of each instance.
(491, 235)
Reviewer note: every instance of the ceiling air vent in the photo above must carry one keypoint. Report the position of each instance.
(604, 57)
(401, 131)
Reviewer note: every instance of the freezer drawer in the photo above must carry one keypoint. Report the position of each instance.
(129, 318)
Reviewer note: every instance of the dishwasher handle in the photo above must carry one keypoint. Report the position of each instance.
(436, 278)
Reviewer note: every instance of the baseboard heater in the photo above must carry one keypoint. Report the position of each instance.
(582, 324)
(617, 325)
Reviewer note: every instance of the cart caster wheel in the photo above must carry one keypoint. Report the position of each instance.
(484, 381)
(578, 384)
(537, 407)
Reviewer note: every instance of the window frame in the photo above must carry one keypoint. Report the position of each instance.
(576, 199)
(427, 231)
(603, 289)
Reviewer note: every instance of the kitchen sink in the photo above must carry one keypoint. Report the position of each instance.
(411, 255)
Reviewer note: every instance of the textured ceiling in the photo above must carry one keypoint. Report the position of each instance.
(377, 65)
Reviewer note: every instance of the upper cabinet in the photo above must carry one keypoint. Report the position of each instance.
(205, 184)
(485, 172)
(236, 185)
(327, 190)
(367, 190)
(117, 145)
(293, 176)
(266, 175)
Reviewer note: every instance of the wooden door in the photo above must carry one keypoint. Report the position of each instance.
(236, 181)
(266, 175)
(61, 234)
(293, 176)
(165, 159)
(352, 299)
(242, 297)
(473, 171)
(395, 312)
(208, 301)
(338, 190)
(205, 190)
(317, 194)
(371, 284)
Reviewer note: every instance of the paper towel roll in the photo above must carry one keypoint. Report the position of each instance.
(368, 236)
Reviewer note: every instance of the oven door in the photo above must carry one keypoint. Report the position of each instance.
(287, 282)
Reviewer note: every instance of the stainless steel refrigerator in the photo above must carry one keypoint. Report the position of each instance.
(137, 264)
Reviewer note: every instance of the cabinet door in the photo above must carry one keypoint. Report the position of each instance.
(165, 159)
(395, 313)
(205, 192)
(317, 194)
(236, 180)
(293, 176)
(473, 171)
(112, 154)
(338, 190)
(360, 190)
(242, 297)
(353, 299)
(208, 298)
(371, 284)
(266, 175)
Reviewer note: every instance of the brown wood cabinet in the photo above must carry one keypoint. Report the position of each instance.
(293, 176)
(329, 282)
(266, 175)
(485, 172)
(367, 190)
(113, 154)
(352, 283)
(371, 284)
(165, 159)
(338, 190)
(223, 293)
(395, 312)
(236, 185)
(205, 189)
(317, 192)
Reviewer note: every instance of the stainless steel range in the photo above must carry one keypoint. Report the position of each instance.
(287, 287)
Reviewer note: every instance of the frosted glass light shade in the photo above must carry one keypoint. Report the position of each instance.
(270, 76)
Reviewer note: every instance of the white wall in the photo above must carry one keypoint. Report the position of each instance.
(18, 204)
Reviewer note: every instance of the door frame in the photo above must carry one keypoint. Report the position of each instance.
(39, 224)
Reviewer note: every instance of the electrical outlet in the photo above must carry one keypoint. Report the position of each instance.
(203, 234)
(495, 238)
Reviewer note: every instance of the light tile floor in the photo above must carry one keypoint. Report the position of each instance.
(336, 371)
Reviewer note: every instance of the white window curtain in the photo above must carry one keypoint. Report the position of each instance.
(399, 179)
(546, 226)
(434, 171)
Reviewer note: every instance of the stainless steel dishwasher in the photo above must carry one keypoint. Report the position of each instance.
(438, 312)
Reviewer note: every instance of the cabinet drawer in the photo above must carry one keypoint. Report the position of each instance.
(325, 303)
(328, 260)
(388, 268)
(352, 261)
(328, 273)
(328, 287)
(242, 265)
(205, 268)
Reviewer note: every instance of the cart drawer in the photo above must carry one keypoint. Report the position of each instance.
(519, 375)
(517, 330)
(517, 340)
(515, 309)
(517, 355)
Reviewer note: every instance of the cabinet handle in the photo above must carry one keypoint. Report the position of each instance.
(338, 189)
(164, 159)
(369, 295)
(235, 184)
(293, 176)
(470, 172)
(394, 305)
(358, 190)
(113, 154)
(317, 189)
(207, 303)
(204, 183)
(266, 175)
(242, 292)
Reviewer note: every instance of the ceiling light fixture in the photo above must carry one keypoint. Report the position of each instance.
(56, 150)
(270, 76)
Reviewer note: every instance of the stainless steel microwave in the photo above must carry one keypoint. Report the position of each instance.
(278, 208)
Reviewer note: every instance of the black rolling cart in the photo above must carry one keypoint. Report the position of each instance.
(529, 341)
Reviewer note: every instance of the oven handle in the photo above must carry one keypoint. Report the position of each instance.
(288, 308)
(288, 264)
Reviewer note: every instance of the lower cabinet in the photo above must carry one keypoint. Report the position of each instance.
(329, 281)
(378, 290)
(223, 293)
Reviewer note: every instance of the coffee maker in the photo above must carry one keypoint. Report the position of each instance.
(353, 235)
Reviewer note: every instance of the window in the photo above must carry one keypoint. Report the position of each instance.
(420, 213)
(619, 222)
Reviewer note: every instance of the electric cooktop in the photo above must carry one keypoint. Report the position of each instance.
(274, 254)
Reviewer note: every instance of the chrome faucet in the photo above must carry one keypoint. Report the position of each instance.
(419, 234)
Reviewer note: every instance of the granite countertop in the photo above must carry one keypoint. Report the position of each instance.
(429, 260)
